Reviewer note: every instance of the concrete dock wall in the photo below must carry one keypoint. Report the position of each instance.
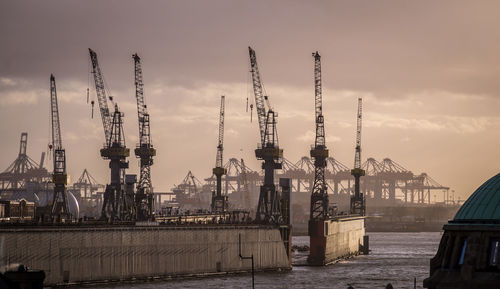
(120, 253)
(334, 239)
(344, 237)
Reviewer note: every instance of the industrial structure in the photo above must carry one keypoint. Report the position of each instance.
(24, 174)
(117, 204)
(219, 201)
(144, 198)
(357, 200)
(59, 178)
(319, 195)
(268, 207)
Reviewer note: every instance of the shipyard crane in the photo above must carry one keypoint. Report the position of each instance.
(116, 204)
(219, 202)
(319, 195)
(144, 199)
(59, 177)
(268, 207)
(357, 201)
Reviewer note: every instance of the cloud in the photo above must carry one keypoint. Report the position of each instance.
(19, 97)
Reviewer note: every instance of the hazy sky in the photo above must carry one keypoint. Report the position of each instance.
(427, 71)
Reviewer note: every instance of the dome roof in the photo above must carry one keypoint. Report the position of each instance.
(483, 205)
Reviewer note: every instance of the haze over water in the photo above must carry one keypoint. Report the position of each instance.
(395, 257)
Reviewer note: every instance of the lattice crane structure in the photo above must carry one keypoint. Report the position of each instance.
(219, 202)
(319, 194)
(117, 204)
(268, 207)
(59, 177)
(358, 205)
(144, 198)
(22, 171)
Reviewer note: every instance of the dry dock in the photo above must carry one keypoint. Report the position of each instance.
(116, 253)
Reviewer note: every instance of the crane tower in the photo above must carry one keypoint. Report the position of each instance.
(219, 202)
(144, 199)
(357, 201)
(319, 195)
(117, 205)
(59, 177)
(268, 207)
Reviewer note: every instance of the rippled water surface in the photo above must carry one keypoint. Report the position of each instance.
(397, 258)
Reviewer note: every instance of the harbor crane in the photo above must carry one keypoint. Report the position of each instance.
(117, 205)
(59, 177)
(219, 202)
(144, 198)
(358, 201)
(268, 207)
(319, 195)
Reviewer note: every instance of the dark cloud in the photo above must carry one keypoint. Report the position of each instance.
(386, 46)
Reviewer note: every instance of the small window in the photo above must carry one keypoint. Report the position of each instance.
(495, 249)
(462, 255)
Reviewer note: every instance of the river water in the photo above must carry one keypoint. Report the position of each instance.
(395, 258)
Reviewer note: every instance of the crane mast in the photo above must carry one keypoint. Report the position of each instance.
(117, 205)
(268, 207)
(59, 177)
(219, 202)
(319, 195)
(144, 199)
(358, 205)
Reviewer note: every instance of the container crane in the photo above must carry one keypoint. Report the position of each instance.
(319, 195)
(116, 204)
(59, 177)
(357, 201)
(219, 202)
(144, 198)
(268, 207)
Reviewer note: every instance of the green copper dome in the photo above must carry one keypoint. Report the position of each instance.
(483, 205)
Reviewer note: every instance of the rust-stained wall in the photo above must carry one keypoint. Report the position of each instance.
(113, 253)
(334, 239)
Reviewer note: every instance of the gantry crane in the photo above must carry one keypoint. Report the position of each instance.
(116, 204)
(59, 177)
(357, 201)
(144, 198)
(268, 207)
(319, 195)
(219, 202)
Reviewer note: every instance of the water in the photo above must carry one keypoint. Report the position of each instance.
(395, 258)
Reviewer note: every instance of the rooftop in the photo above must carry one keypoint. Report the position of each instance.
(483, 205)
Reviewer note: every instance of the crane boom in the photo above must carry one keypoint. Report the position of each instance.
(259, 96)
(101, 96)
(56, 126)
(220, 145)
(318, 101)
(357, 156)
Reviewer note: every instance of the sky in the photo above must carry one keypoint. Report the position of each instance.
(427, 72)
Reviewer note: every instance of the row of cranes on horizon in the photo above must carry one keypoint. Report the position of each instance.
(117, 205)
(268, 208)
